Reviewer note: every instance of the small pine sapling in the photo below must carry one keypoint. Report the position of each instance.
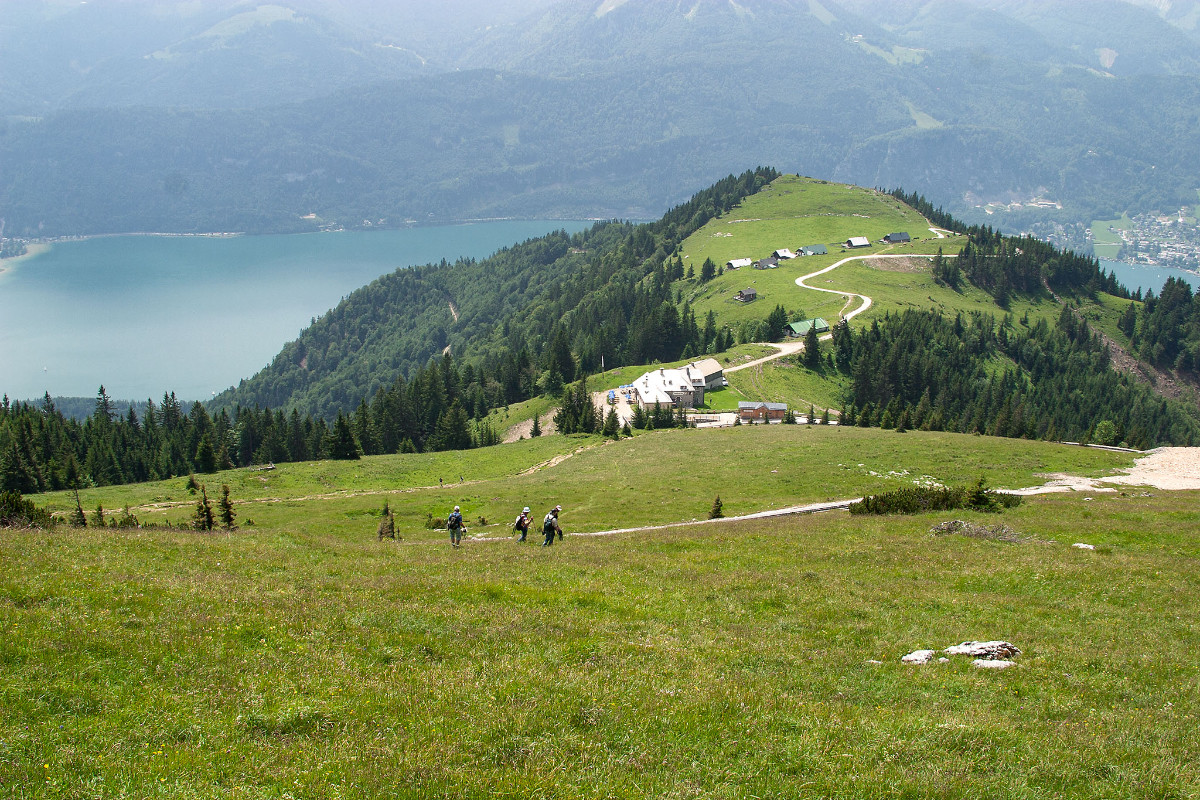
(78, 518)
(203, 519)
(226, 508)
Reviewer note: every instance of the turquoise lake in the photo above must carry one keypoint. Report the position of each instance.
(192, 314)
(1141, 276)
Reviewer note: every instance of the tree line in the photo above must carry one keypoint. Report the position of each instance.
(976, 374)
(1165, 330)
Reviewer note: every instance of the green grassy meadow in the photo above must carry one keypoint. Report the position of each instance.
(301, 657)
(1106, 243)
(792, 213)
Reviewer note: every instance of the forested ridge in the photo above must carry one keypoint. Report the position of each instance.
(534, 313)
(976, 374)
(374, 374)
(416, 360)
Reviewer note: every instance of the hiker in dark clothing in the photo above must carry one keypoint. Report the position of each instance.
(454, 523)
(550, 526)
(521, 526)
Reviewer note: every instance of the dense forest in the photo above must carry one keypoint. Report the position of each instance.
(974, 374)
(1166, 331)
(43, 449)
(529, 318)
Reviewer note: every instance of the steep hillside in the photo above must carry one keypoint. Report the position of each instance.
(582, 297)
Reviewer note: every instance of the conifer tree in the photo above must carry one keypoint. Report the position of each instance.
(812, 348)
(226, 508)
(612, 427)
(78, 518)
(202, 519)
(453, 431)
(716, 512)
(206, 457)
(341, 441)
(387, 523)
(776, 323)
(536, 430)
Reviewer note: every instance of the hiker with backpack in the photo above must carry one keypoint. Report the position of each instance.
(521, 526)
(454, 523)
(550, 526)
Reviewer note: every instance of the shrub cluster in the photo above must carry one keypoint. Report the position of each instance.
(17, 512)
(921, 499)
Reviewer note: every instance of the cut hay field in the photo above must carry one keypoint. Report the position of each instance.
(301, 657)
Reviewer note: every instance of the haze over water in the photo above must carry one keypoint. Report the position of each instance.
(194, 315)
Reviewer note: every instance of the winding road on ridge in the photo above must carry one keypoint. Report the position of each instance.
(787, 348)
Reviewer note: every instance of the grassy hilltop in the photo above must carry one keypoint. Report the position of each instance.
(299, 656)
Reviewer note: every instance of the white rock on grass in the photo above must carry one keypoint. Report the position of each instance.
(919, 657)
(1083, 546)
(991, 651)
(991, 663)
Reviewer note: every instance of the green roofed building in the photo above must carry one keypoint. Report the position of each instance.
(800, 328)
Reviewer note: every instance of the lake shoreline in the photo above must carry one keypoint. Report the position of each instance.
(31, 251)
(83, 237)
(116, 310)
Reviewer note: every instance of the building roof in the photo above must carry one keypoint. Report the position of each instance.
(748, 292)
(707, 367)
(800, 328)
(658, 386)
(766, 263)
(814, 250)
(901, 236)
(858, 241)
(783, 252)
(738, 263)
(751, 405)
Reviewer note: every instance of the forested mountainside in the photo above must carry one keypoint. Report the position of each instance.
(643, 105)
(581, 297)
(416, 360)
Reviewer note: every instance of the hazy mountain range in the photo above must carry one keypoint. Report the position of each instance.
(146, 115)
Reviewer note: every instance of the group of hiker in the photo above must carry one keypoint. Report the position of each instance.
(550, 526)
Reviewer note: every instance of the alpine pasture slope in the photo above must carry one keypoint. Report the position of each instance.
(300, 656)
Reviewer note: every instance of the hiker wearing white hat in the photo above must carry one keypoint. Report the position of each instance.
(550, 526)
(521, 526)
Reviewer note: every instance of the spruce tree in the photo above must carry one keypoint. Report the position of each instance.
(341, 441)
(206, 456)
(226, 508)
(812, 348)
(202, 519)
(536, 430)
(716, 512)
(78, 518)
(612, 426)
(387, 523)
